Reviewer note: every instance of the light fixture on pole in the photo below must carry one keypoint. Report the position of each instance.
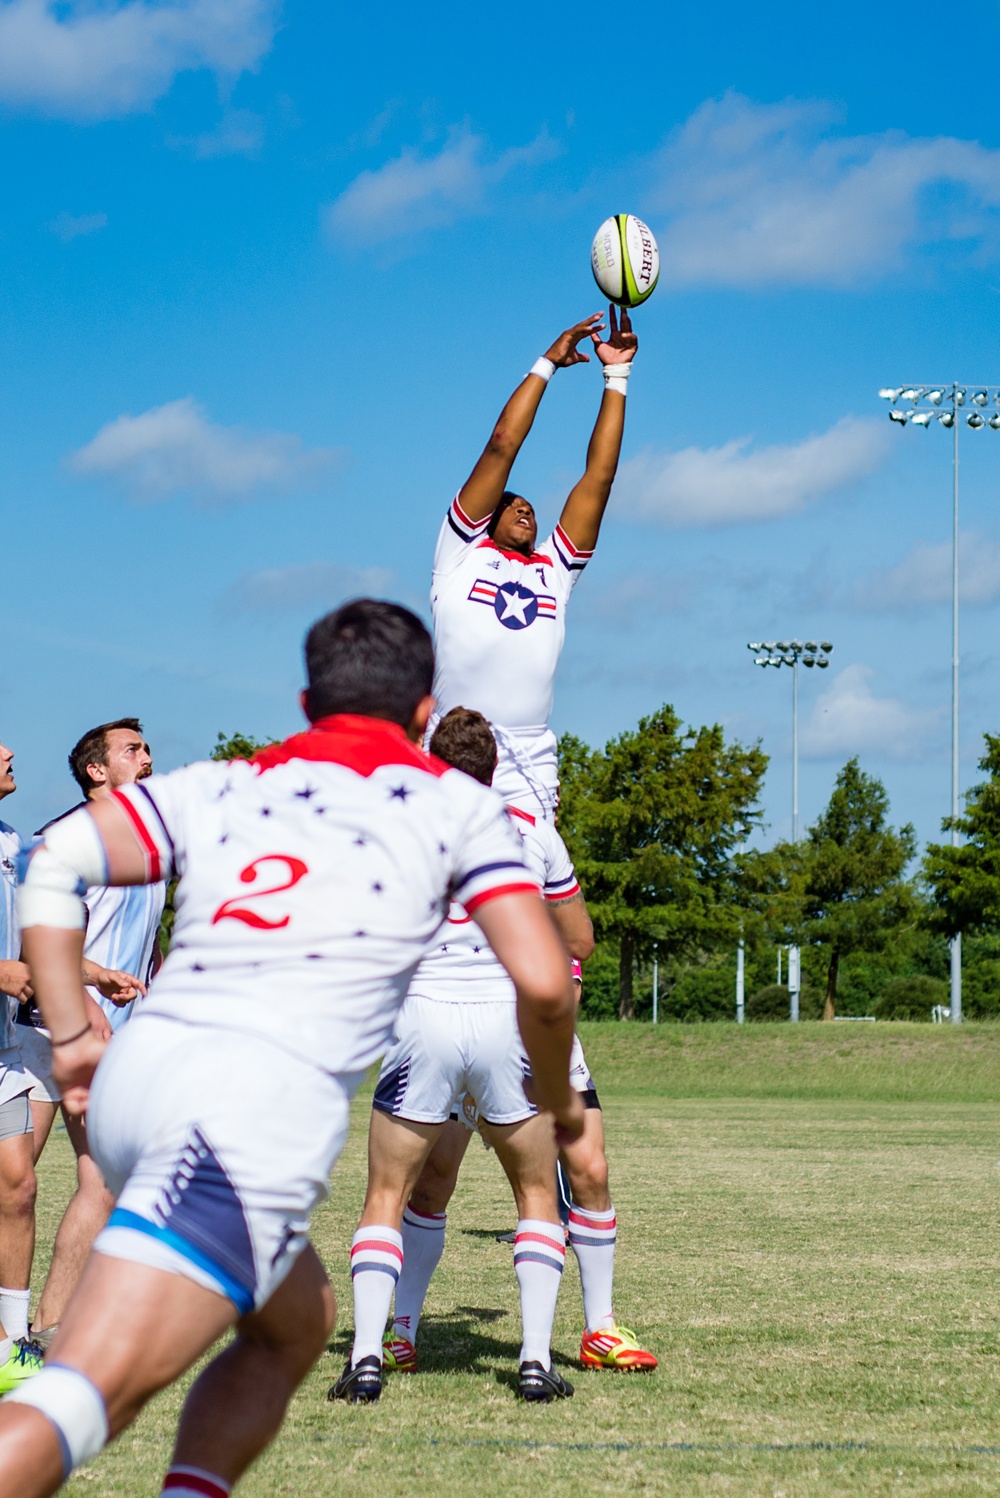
(950, 399)
(779, 653)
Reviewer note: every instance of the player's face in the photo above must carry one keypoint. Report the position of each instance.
(127, 759)
(517, 528)
(6, 771)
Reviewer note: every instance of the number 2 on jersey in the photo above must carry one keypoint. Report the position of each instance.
(232, 910)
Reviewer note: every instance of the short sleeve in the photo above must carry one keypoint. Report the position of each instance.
(488, 851)
(561, 882)
(458, 533)
(568, 561)
(153, 808)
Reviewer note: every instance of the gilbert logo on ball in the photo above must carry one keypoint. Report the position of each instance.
(625, 260)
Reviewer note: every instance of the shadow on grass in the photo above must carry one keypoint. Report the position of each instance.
(457, 1343)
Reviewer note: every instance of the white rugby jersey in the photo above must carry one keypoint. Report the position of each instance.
(312, 881)
(10, 936)
(461, 967)
(499, 621)
(122, 922)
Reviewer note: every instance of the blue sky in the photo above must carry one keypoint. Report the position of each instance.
(270, 270)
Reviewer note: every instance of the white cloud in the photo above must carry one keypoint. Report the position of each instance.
(175, 449)
(83, 60)
(414, 192)
(848, 719)
(924, 576)
(311, 585)
(760, 194)
(240, 132)
(732, 484)
(67, 226)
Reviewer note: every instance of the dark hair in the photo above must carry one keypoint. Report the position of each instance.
(464, 739)
(507, 498)
(92, 749)
(368, 657)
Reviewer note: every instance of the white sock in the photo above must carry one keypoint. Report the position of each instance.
(376, 1259)
(14, 1311)
(6, 1348)
(423, 1245)
(592, 1239)
(539, 1255)
(193, 1482)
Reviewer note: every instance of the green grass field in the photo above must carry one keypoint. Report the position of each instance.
(808, 1238)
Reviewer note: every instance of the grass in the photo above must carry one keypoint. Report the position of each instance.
(808, 1221)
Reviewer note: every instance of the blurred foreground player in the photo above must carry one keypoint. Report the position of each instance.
(592, 1222)
(499, 603)
(312, 880)
(458, 1032)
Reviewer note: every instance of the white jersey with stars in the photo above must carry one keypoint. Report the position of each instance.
(461, 967)
(499, 621)
(313, 879)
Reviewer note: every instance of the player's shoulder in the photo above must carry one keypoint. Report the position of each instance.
(564, 550)
(536, 832)
(11, 841)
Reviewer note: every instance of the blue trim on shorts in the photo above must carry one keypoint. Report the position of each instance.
(237, 1293)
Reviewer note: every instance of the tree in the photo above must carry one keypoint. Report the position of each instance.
(653, 821)
(238, 746)
(853, 894)
(964, 882)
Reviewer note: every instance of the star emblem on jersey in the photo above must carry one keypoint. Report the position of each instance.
(515, 605)
(399, 793)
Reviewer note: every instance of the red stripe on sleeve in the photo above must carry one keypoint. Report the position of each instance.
(501, 889)
(141, 831)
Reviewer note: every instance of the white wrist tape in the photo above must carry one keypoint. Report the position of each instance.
(59, 873)
(543, 368)
(616, 377)
(71, 1403)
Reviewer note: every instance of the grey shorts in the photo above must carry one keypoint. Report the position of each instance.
(36, 1049)
(15, 1117)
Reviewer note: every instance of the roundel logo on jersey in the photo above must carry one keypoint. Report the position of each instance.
(514, 605)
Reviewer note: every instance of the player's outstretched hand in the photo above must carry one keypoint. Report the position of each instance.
(565, 352)
(121, 988)
(73, 1067)
(569, 1120)
(620, 347)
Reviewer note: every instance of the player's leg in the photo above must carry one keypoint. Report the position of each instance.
(19, 1359)
(88, 1210)
(236, 1407)
(527, 1153)
(592, 1236)
(397, 1149)
(108, 1367)
(423, 1230)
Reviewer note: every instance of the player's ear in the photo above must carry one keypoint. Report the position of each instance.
(421, 717)
(304, 703)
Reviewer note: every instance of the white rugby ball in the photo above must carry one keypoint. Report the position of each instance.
(625, 260)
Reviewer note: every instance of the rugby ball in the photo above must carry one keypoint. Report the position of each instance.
(625, 260)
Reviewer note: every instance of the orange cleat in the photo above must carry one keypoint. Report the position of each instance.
(616, 1347)
(398, 1354)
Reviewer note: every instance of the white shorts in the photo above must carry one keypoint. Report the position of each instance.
(527, 772)
(218, 1145)
(36, 1049)
(579, 1074)
(442, 1050)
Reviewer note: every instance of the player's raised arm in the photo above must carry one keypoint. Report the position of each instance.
(584, 509)
(483, 489)
(100, 844)
(518, 929)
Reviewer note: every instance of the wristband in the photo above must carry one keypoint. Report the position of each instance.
(55, 1044)
(616, 377)
(543, 368)
(576, 970)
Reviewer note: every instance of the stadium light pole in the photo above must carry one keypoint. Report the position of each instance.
(788, 653)
(944, 404)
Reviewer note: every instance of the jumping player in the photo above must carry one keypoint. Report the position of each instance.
(457, 1032)
(312, 881)
(463, 739)
(499, 602)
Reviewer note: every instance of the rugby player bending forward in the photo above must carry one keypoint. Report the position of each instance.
(312, 881)
(499, 603)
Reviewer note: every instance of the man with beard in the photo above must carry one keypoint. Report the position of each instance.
(122, 925)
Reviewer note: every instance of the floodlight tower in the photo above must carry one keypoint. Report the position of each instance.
(944, 404)
(788, 653)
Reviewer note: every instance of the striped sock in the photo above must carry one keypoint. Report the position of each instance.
(592, 1239)
(193, 1482)
(539, 1255)
(376, 1259)
(423, 1245)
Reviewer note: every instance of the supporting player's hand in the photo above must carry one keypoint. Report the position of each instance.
(121, 988)
(565, 352)
(15, 980)
(569, 1120)
(98, 1020)
(73, 1068)
(620, 347)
